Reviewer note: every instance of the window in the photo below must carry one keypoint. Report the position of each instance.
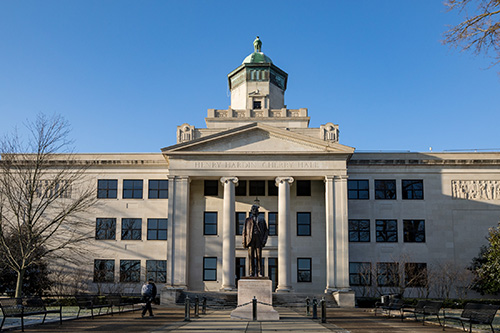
(360, 273)
(303, 269)
(414, 231)
(385, 189)
(358, 189)
(303, 224)
(241, 189)
(156, 270)
(257, 187)
(359, 230)
(130, 270)
(415, 274)
(272, 270)
(272, 189)
(210, 223)
(158, 189)
(257, 104)
(132, 189)
(210, 269)
(272, 224)
(413, 189)
(105, 228)
(211, 188)
(107, 188)
(387, 274)
(240, 268)
(157, 229)
(240, 222)
(104, 270)
(387, 231)
(303, 188)
(131, 229)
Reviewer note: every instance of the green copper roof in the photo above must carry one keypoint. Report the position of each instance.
(256, 58)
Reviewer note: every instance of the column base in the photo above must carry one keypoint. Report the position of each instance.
(284, 289)
(345, 298)
(170, 295)
(228, 288)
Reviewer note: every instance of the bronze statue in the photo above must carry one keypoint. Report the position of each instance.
(257, 44)
(255, 235)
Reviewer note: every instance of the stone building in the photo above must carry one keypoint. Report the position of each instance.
(333, 214)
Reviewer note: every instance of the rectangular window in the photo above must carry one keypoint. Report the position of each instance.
(303, 188)
(257, 187)
(414, 231)
(387, 274)
(303, 224)
(415, 274)
(241, 189)
(210, 223)
(157, 229)
(240, 268)
(272, 189)
(131, 229)
(385, 189)
(132, 189)
(413, 189)
(211, 188)
(107, 188)
(304, 269)
(156, 270)
(210, 269)
(257, 104)
(105, 228)
(387, 231)
(272, 223)
(359, 230)
(158, 189)
(272, 270)
(240, 222)
(130, 270)
(104, 270)
(358, 189)
(360, 273)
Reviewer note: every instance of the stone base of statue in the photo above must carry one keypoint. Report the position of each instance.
(261, 289)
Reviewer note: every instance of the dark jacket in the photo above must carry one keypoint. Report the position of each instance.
(248, 231)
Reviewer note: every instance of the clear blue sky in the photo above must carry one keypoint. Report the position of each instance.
(126, 73)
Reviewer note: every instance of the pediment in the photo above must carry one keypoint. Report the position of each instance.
(257, 138)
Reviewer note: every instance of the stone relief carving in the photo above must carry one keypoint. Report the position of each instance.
(220, 114)
(476, 189)
(275, 114)
(329, 132)
(185, 133)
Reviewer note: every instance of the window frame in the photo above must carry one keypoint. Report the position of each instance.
(131, 229)
(364, 276)
(384, 230)
(159, 269)
(131, 189)
(157, 230)
(300, 277)
(272, 189)
(209, 269)
(241, 189)
(408, 188)
(133, 273)
(111, 229)
(205, 224)
(308, 225)
(411, 232)
(357, 231)
(382, 190)
(211, 188)
(107, 189)
(256, 188)
(418, 281)
(240, 223)
(158, 190)
(105, 274)
(274, 224)
(389, 276)
(303, 188)
(354, 193)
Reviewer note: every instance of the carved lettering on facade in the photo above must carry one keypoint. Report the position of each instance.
(256, 165)
(475, 189)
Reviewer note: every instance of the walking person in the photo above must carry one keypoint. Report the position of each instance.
(148, 293)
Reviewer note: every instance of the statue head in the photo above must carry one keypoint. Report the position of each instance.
(254, 210)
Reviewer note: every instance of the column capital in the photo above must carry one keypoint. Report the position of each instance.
(340, 177)
(279, 180)
(226, 180)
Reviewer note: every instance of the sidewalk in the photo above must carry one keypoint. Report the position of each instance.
(171, 319)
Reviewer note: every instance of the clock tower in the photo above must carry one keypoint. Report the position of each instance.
(257, 84)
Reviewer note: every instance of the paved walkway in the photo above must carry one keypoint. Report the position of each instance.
(171, 319)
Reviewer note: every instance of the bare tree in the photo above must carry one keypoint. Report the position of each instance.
(480, 31)
(42, 195)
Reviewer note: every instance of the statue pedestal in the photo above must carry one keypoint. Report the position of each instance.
(261, 288)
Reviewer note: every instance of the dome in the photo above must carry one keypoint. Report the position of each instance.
(257, 58)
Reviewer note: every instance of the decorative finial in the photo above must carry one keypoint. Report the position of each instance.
(257, 44)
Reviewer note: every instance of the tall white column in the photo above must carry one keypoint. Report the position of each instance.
(178, 232)
(284, 264)
(337, 234)
(228, 233)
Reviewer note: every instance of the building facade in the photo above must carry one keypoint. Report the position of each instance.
(338, 220)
